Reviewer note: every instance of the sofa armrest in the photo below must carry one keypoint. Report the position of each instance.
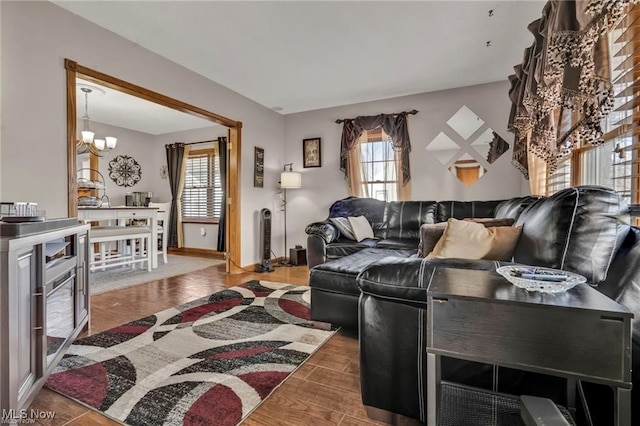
(405, 280)
(325, 229)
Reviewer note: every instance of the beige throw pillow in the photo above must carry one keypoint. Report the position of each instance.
(470, 240)
(361, 228)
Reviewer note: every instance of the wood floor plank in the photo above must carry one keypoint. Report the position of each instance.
(340, 380)
(304, 370)
(353, 368)
(295, 411)
(329, 360)
(327, 397)
(324, 390)
(92, 418)
(352, 421)
(65, 409)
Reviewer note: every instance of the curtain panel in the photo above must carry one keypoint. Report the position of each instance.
(175, 160)
(394, 125)
(222, 151)
(562, 90)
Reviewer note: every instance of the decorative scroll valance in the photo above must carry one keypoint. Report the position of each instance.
(562, 90)
(394, 125)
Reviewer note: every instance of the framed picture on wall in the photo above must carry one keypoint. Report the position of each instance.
(311, 155)
(258, 172)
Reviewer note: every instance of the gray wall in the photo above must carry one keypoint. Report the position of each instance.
(36, 37)
(430, 179)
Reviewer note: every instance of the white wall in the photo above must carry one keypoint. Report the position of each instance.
(36, 37)
(136, 145)
(430, 179)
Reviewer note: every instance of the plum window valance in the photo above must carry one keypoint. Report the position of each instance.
(562, 90)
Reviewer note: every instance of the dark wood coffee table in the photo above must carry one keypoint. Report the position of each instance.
(479, 316)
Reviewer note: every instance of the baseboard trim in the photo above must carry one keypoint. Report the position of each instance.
(199, 251)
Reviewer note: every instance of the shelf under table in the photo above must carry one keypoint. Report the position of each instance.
(467, 406)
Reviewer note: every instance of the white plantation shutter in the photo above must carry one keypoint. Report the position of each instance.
(202, 194)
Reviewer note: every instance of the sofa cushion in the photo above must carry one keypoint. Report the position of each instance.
(465, 209)
(398, 243)
(490, 221)
(470, 240)
(513, 207)
(403, 218)
(578, 229)
(430, 234)
(370, 208)
(406, 280)
(623, 286)
(339, 275)
(344, 247)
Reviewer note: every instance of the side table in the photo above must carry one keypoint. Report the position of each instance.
(479, 316)
(298, 256)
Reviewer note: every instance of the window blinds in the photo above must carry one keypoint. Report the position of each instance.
(202, 193)
(622, 124)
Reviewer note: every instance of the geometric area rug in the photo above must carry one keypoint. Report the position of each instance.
(208, 362)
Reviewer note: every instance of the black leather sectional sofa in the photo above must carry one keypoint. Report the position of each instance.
(336, 261)
(379, 287)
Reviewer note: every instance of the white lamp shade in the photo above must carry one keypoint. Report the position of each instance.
(111, 142)
(87, 136)
(290, 180)
(99, 143)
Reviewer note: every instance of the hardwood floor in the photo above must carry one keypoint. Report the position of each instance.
(324, 390)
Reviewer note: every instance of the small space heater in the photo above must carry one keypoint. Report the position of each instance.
(265, 241)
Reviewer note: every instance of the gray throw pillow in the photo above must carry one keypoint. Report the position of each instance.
(430, 233)
(344, 226)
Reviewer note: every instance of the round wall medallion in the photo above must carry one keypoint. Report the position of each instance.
(125, 171)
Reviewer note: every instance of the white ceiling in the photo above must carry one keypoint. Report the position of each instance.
(119, 109)
(303, 55)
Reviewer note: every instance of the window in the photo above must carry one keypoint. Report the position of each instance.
(202, 193)
(560, 178)
(378, 161)
(616, 162)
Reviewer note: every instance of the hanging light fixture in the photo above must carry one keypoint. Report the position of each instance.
(87, 142)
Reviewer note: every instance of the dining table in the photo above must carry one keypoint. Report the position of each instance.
(121, 213)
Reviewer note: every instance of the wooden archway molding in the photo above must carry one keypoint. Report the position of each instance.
(233, 169)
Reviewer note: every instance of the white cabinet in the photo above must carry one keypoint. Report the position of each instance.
(44, 304)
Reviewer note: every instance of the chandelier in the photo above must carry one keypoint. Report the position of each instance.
(88, 142)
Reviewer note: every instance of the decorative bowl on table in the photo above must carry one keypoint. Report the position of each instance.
(536, 278)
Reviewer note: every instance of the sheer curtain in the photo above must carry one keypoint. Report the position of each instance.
(355, 173)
